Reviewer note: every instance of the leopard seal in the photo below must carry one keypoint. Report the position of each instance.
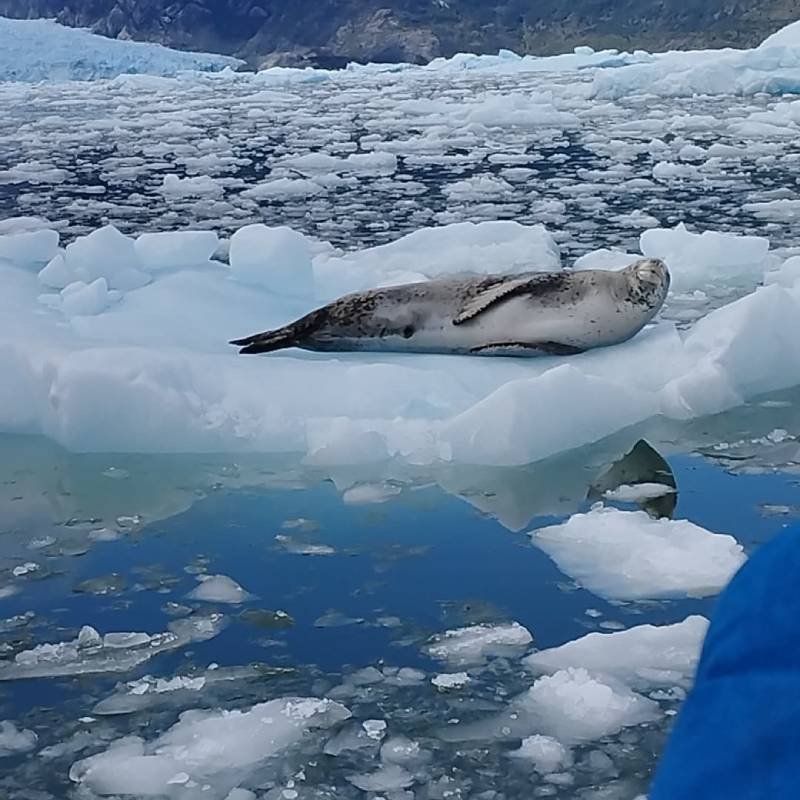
(532, 314)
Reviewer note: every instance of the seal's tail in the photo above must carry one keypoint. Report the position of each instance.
(268, 341)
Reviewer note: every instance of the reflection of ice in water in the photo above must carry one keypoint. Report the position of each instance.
(560, 721)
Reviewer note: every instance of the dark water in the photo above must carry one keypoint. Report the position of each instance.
(420, 562)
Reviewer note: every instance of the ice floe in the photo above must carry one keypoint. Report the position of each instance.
(473, 645)
(209, 751)
(132, 338)
(643, 656)
(14, 740)
(219, 589)
(627, 555)
(92, 652)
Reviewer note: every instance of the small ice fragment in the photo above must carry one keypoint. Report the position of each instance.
(25, 569)
(636, 493)
(336, 619)
(375, 728)
(13, 740)
(116, 473)
(296, 547)
(219, 589)
(367, 493)
(452, 680)
(546, 753)
(389, 778)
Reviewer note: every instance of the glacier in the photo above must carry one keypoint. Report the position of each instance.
(33, 50)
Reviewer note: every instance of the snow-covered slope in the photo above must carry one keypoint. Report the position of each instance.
(42, 50)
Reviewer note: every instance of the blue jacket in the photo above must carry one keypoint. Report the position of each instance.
(738, 734)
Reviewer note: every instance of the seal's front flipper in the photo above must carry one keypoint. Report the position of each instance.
(268, 341)
(526, 349)
(499, 292)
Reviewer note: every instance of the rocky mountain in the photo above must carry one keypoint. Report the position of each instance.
(331, 32)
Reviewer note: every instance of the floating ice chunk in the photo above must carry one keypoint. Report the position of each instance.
(283, 187)
(29, 249)
(478, 188)
(473, 645)
(336, 619)
(605, 259)
(243, 794)
(666, 171)
(696, 260)
(644, 656)
(13, 740)
(91, 653)
(374, 163)
(782, 210)
(82, 299)
(370, 493)
(351, 737)
(547, 754)
(451, 680)
(106, 253)
(158, 251)
(573, 706)
(403, 751)
(277, 258)
(25, 569)
(209, 747)
(24, 225)
(300, 548)
(198, 186)
(517, 110)
(219, 589)
(390, 778)
(638, 492)
(626, 555)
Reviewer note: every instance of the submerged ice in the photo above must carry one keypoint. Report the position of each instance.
(206, 753)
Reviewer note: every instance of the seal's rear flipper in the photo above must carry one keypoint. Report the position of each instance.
(268, 341)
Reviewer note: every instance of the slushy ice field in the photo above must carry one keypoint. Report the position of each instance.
(370, 575)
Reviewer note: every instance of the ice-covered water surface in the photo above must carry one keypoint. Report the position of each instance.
(416, 642)
(367, 611)
(362, 156)
(490, 166)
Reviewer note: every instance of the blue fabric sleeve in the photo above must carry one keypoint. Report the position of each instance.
(737, 736)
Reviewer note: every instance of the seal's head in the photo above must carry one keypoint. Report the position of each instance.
(648, 281)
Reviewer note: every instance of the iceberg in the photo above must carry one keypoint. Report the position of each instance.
(117, 321)
(773, 68)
